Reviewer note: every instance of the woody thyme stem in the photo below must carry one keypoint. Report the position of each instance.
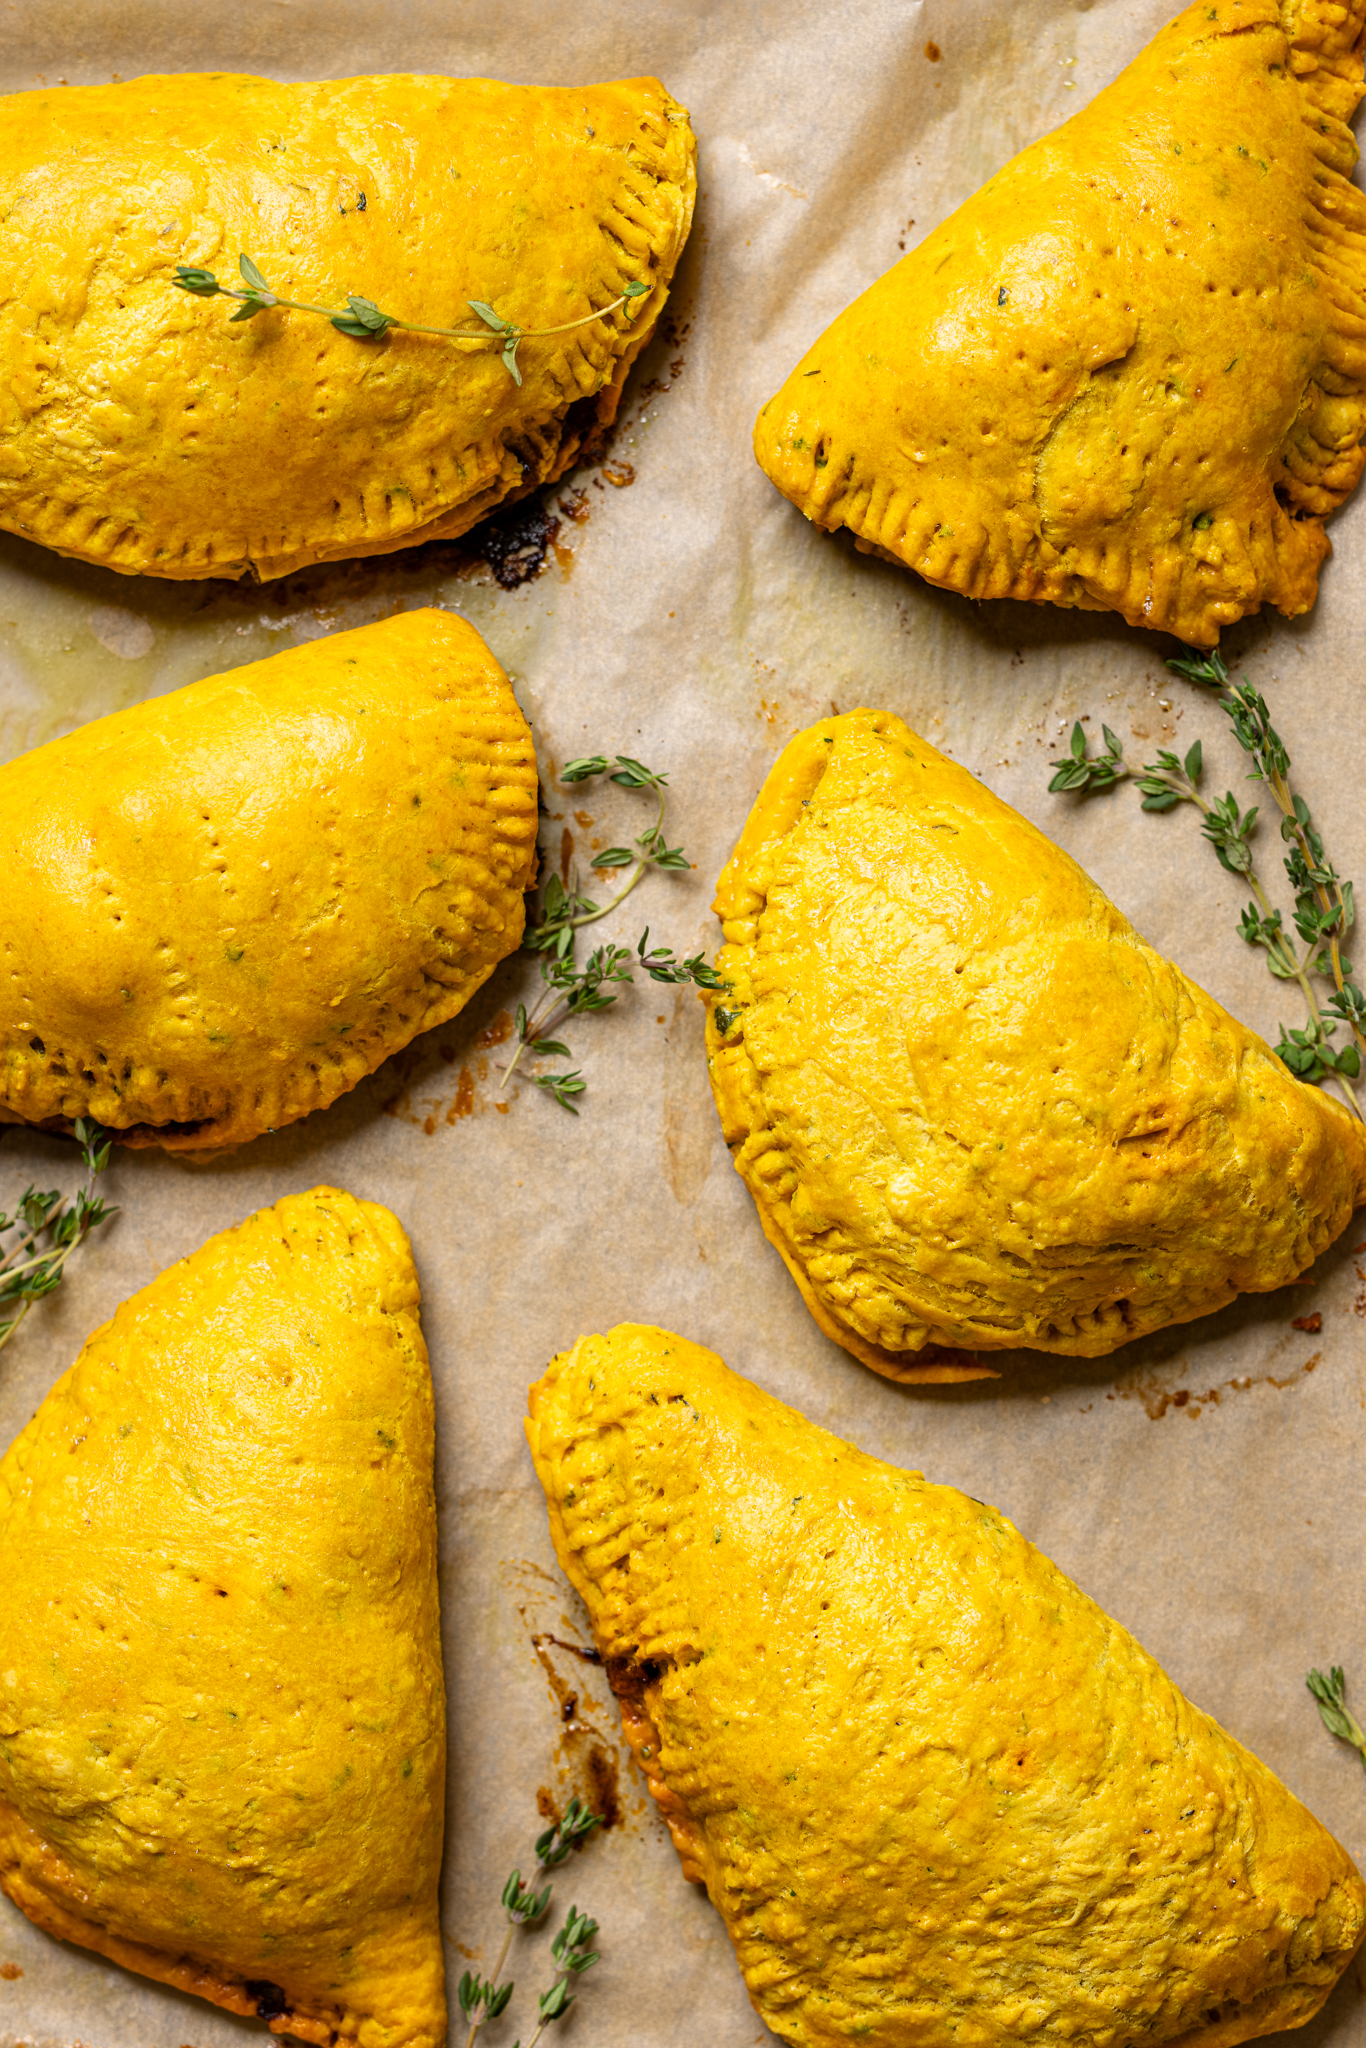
(481, 334)
(1281, 791)
(1287, 951)
(494, 1978)
(592, 916)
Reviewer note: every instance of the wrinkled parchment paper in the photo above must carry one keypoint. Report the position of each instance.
(1205, 1485)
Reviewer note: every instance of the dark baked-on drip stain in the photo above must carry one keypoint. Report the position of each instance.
(413, 1067)
(574, 1649)
(514, 541)
(497, 1031)
(586, 1755)
(603, 1793)
(606, 1795)
(270, 1999)
(566, 1697)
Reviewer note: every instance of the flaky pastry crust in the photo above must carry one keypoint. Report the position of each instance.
(222, 1715)
(227, 905)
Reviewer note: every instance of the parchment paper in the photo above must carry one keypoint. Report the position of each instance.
(1205, 1486)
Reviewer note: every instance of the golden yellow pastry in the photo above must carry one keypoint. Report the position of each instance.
(222, 1717)
(226, 905)
(973, 1107)
(935, 1794)
(1130, 373)
(144, 430)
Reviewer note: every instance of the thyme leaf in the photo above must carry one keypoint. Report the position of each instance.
(1088, 773)
(1330, 1696)
(562, 1086)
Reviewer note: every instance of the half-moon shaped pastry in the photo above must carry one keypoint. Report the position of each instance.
(972, 1106)
(935, 1794)
(222, 1716)
(1130, 373)
(144, 430)
(224, 906)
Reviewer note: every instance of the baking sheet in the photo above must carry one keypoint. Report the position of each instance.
(1205, 1485)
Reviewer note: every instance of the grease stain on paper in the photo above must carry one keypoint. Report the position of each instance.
(408, 1078)
(1158, 1399)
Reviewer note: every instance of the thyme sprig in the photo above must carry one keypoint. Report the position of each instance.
(364, 321)
(1167, 782)
(1325, 908)
(564, 911)
(1085, 772)
(1330, 1695)
(1324, 904)
(51, 1228)
(569, 990)
(572, 1956)
(573, 991)
(482, 1999)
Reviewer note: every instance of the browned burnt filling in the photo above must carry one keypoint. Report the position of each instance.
(629, 1677)
(270, 2000)
(515, 541)
(606, 1793)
